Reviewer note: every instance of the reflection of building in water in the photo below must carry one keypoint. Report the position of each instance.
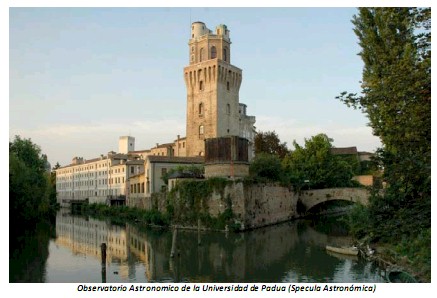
(291, 252)
(153, 255)
(84, 236)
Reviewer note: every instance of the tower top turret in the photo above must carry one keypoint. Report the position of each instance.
(205, 44)
(199, 29)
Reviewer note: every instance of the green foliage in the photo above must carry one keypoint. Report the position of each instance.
(368, 167)
(266, 166)
(314, 166)
(359, 221)
(30, 190)
(121, 214)
(188, 203)
(418, 251)
(28, 152)
(220, 222)
(194, 170)
(396, 97)
(269, 143)
(53, 195)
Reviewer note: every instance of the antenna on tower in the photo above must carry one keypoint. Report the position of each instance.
(189, 26)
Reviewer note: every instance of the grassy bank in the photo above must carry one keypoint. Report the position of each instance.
(398, 240)
(412, 253)
(122, 214)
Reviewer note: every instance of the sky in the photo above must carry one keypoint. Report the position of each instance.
(79, 78)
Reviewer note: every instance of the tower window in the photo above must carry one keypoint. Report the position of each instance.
(201, 109)
(201, 86)
(228, 109)
(227, 86)
(225, 55)
(201, 55)
(213, 52)
(201, 130)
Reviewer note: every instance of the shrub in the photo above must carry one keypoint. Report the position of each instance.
(266, 166)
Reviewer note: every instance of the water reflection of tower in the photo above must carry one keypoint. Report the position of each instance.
(136, 247)
(152, 251)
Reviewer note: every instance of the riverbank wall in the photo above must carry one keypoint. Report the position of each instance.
(259, 205)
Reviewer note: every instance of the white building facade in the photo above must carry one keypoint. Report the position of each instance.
(98, 180)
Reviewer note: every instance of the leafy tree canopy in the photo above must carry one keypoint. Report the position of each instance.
(269, 142)
(315, 166)
(29, 182)
(396, 97)
(266, 166)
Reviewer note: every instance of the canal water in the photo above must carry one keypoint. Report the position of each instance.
(295, 251)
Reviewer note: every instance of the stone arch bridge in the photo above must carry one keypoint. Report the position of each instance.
(311, 198)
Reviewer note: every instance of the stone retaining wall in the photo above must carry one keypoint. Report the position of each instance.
(261, 205)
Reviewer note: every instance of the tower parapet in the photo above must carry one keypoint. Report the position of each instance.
(205, 44)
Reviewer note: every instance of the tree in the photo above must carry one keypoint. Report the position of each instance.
(396, 97)
(53, 195)
(266, 166)
(29, 182)
(315, 166)
(268, 142)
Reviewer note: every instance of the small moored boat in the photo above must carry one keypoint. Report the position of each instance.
(351, 251)
(398, 276)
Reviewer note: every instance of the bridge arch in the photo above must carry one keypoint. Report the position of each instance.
(311, 198)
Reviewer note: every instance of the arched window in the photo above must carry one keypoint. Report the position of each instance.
(201, 131)
(200, 108)
(201, 55)
(213, 52)
(225, 54)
